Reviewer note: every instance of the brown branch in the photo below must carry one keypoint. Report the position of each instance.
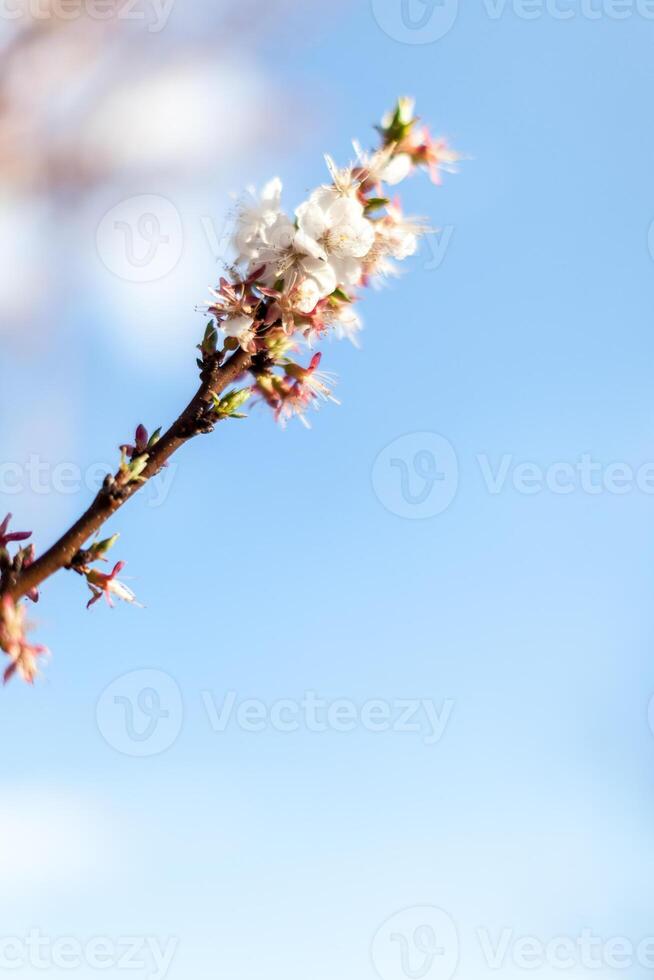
(117, 491)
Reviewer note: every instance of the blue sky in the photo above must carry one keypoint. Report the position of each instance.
(274, 569)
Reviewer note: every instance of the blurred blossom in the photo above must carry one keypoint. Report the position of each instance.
(170, 118)
(24, 276)
(92, 110)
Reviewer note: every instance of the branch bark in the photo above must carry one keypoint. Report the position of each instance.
(113, 495)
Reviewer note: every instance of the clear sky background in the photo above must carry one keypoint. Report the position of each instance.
(286, 562)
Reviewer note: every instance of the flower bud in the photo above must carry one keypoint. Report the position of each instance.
(98, 550)
(228, 406)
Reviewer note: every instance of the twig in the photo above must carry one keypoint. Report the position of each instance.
(192, 422)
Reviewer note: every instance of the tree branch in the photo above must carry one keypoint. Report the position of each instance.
(117, 490)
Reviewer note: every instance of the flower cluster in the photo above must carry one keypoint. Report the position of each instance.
(295, 278)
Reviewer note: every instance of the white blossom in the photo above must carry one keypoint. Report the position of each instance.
(334, 229)
(343, 178)
(396, 238)
(320, 272)
(307, 294)
(261, 225)
(384, 165)
(400, 234)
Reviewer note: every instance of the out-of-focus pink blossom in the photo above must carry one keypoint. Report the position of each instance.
(23, 656)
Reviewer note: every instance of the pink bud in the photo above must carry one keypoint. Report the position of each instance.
(141, 438)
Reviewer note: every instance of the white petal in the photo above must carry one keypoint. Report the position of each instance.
(405, 246)
(397, 169)
(307, 296)
(312, 219)
(325, 197)
(345, 209)
(272, 192)
(348, 271)
(306, 245)
(237, 326)
(281, 234)
(323, 273)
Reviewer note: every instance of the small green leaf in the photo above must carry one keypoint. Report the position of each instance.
(137, 466)
(374, 203)
(154, 438)
(228, 406)
(100, 548)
